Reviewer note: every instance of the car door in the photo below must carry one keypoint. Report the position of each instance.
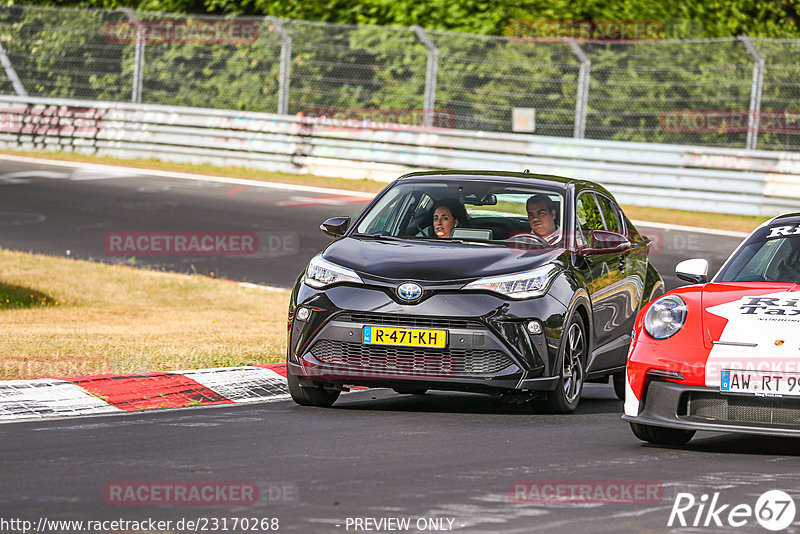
(603, 272)
(631, 263)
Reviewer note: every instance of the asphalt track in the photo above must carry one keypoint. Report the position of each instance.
(380, 455)
(375, 454)
(69, 211)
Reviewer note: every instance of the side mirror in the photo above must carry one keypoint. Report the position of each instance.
(335, 226)
(604, 242)
(694, 271)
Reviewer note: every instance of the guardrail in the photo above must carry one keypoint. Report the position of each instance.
(685, 177)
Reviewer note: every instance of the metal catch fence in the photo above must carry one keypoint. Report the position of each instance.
(728, 93)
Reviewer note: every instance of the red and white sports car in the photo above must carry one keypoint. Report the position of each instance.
(722, 355)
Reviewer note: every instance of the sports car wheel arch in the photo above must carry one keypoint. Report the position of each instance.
(661, 435)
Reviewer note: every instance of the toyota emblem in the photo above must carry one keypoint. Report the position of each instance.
(409, 291)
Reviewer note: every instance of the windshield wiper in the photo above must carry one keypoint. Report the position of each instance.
(373, 236)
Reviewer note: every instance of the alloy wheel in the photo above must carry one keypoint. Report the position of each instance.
(572, 363)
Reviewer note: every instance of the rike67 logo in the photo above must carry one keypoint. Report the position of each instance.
(774, 510)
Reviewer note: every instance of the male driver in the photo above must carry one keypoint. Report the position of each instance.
(542, 218)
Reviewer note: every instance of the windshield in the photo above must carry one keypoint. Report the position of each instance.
(772, 254)
(468, 211)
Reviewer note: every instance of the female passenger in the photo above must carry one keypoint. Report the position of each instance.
(447, 215)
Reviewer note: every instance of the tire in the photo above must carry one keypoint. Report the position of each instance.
(410, 391)
(571, 371)
(619, 384)
(309, 396)
(661, 435)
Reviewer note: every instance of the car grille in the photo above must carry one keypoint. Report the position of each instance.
(409, 321)
(743, 409)
(382, 360)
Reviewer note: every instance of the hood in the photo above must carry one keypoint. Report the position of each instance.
(760, 314)
(432, 261)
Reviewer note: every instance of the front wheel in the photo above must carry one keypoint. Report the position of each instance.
(315, 396)
(572, 359)
(661, 435)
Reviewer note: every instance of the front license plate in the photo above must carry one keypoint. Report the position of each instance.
(409, 337)
(760, 383)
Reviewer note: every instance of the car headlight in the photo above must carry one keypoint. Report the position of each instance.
(525, 285)
(321, 273)
(665, 317)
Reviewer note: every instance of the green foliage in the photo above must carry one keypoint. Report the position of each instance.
(13, 296)
(67, 53)
(719, 18)
(62, 53)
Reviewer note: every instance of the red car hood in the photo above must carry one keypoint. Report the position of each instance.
(751, 326)
(746, 312)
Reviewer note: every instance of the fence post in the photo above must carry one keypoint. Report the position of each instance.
(138, 55)
(285, 74)
(431, 74)
(11, 73)
(582, 99)
(755, 92)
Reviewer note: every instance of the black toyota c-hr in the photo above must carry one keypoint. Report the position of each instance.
(490, 282)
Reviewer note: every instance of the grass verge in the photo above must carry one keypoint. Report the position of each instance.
(718, 221)
(90, 318)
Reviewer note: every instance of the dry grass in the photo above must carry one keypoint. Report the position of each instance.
(98, 318)
(717, 221)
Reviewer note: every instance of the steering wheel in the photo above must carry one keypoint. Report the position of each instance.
(418, 224)
(415, 228)
(528, 241)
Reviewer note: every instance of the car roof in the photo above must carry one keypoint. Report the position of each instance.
(523, 178)
(786, 217)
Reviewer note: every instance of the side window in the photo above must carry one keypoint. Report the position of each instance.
(588, 218)
(381, 220)
(418, 215)
(609, 214)
(424, 205)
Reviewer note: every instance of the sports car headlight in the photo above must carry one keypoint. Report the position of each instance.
(525, 285)
(665, 317)
(321, 273)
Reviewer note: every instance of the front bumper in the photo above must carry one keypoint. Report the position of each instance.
(488, 349)
(674, 405)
